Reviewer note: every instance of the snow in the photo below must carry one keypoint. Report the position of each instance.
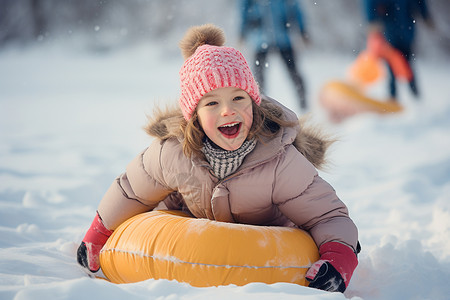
(71, 121)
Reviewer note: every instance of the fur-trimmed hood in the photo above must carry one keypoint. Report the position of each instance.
(311, 141)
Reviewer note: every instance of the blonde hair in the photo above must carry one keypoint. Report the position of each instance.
(268, 119)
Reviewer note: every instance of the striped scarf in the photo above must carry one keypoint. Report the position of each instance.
(224, 162)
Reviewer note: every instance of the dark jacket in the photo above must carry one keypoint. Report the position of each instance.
(398, 19)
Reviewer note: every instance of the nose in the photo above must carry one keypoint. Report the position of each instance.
(228, 109)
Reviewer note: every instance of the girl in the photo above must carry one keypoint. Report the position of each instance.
(231, 155)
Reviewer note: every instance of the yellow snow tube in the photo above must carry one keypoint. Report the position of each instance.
(171, 245)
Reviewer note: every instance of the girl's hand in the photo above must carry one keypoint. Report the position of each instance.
(89, 251)
(334, 269)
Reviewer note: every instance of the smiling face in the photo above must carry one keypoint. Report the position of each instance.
(226, 116)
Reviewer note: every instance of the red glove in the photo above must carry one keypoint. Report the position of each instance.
(334, 269)
(89, 250)
(377, 45)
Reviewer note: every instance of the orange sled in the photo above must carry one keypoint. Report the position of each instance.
(342, 100)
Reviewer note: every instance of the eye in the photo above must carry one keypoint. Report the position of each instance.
(210, 103)
(237, 98)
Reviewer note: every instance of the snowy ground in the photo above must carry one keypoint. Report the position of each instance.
(71, 121)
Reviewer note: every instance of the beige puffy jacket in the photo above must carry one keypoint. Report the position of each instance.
(275, 185)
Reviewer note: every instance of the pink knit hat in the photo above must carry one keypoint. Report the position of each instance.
(209, 65)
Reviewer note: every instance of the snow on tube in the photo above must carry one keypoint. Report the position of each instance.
(171, 245)
(342, 100)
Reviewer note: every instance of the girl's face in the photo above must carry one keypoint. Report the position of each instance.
(226, 116)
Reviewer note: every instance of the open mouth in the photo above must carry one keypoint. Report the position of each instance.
(230, 130)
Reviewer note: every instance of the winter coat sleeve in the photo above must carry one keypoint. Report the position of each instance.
(310, 202)
(423, 10)
(138, 190)
(294, 14)
(370, 11)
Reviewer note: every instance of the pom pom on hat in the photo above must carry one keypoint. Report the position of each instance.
(209, 65)
(201, 35)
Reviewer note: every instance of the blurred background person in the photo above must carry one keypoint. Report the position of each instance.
(392, 25)
(266, 26)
